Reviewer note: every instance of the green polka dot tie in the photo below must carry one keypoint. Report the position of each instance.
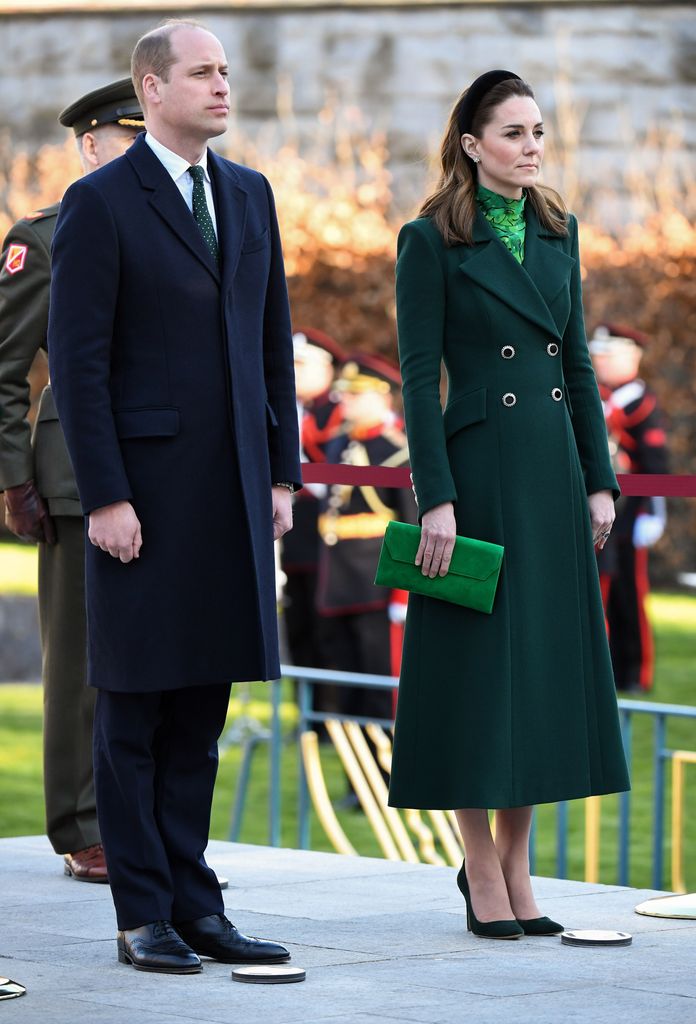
(201, 213)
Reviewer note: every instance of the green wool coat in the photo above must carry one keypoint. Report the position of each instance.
(517, 707)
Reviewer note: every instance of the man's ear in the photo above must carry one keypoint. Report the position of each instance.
(88, 150)
(150, 87)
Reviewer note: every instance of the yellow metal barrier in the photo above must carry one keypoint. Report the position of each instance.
(680, 759)
(593, 820)
(319, 795)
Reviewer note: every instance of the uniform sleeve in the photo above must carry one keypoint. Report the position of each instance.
(420, 315)
(84, 290)
(25, 274)
(651, 454)
(284, 440)
(588, 419)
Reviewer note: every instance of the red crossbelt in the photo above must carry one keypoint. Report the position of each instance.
(637, 485)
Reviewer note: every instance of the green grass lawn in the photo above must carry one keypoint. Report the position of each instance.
(18, 568)
(21, 807)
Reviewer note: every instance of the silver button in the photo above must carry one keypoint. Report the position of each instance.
(557, 394)
(509, 400)
(507, 352)
(552, 348)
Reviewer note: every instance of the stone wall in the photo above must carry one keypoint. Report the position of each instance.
(620, 77)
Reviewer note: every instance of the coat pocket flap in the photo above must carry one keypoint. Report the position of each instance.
(464, 411)
(474, 559)
(146, 422)
(254, 244)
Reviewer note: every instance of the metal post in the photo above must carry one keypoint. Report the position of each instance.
(658, 801)
(562, 839)
(305, 702)
(276, 748)
(242, 787)
(625, 803)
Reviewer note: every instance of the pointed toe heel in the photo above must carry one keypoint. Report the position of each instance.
(540, 926)
(486, 929)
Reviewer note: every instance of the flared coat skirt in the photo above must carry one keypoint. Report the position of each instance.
(517, 707)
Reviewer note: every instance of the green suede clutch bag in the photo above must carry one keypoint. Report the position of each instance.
(471, 580)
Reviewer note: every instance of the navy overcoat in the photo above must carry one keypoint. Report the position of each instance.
(174, 384)
(517, 707)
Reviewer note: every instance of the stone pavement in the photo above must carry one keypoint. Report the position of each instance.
(380, 941)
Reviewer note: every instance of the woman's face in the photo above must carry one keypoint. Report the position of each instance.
(511, 147)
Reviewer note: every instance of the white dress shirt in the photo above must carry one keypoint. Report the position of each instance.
(177, 167)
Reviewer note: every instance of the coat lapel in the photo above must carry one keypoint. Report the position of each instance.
(547, 265)
(169, 203)
(530, 288)
(231, 210)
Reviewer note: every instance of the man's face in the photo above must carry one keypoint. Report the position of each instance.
(618, 365)
(195, 99)
(105, 143)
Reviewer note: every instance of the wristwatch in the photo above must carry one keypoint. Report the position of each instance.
(285, 483)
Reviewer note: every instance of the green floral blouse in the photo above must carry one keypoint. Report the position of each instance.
(506, 217)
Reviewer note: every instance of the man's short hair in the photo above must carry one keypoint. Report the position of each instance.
(153, 52)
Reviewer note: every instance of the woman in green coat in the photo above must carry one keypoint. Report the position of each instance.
(518, 707)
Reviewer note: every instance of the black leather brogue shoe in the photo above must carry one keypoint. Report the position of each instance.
(218, 938)
(156, 947)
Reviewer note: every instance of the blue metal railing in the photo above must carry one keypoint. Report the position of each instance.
(307, 678)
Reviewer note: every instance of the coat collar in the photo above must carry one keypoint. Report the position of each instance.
(530, 288)
(231, 211)
(230, 208)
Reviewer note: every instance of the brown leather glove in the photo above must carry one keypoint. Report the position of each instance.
(26, 514)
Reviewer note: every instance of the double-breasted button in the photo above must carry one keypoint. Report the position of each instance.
(507, 351)
(552, 348)
(509, 400)
(557, 394)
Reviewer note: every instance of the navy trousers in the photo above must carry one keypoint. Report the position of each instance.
(155, 762)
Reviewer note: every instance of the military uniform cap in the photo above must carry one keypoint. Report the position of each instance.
(363, 371)
(319, 340)
(609, 337)
(111, 104)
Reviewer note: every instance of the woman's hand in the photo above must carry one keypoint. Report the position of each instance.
(438, 531)
(602, 516)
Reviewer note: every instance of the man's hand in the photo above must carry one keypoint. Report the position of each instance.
(438, 533)
(602, 515)
(282, 511)
(116, 529)
(26, 514)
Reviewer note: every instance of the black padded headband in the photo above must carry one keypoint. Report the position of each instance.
(475, 93)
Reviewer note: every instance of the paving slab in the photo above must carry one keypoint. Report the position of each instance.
(381, 941)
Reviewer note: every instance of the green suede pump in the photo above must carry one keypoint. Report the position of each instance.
(485, 929)
(540, 926)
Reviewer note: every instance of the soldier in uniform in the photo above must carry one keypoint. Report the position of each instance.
(361, 623)
(638, 443)
(40, 494)
(317, 358)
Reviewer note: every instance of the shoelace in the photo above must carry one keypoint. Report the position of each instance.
(164, 930)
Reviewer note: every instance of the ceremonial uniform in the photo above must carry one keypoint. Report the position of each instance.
(320, 417)
(71, 817)
(42, 503)
(361, 623)
(638, 442)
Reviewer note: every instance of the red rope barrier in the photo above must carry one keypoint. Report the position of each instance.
(643, 485)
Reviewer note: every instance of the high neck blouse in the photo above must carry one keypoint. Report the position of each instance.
(506, 217)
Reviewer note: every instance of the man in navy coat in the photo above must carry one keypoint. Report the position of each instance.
(172, 367)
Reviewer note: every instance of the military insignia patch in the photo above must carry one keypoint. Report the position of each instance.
(16, 257)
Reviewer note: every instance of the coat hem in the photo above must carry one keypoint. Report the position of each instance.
(500, 804)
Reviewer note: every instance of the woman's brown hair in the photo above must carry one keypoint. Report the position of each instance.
(452, 206)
